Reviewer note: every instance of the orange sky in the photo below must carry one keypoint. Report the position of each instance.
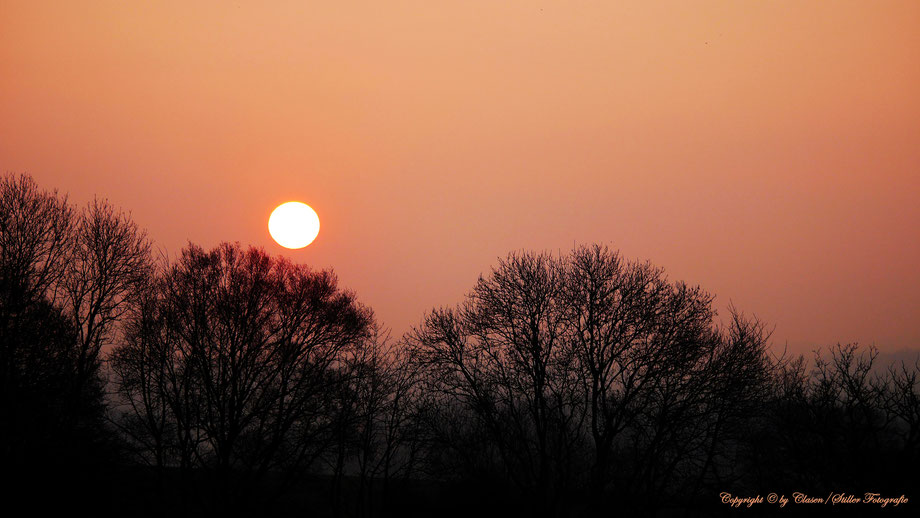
(768, 151)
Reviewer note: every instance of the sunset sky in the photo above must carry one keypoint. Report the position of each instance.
(767, 151)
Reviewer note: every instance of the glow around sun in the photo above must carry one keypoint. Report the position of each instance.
(293, 224)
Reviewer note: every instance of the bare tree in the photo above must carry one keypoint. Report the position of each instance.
(663, 384)
(232, 366)
(87, 264)
(623, 331)
(841, 420)
(589, 371)
(107, 265)
(502, 357)
(36, 233)
(385, 439)
(63, 282)
(902, 402)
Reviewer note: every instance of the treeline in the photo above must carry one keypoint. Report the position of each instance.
(228, 380)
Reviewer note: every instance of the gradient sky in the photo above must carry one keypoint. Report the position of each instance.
(767, 151)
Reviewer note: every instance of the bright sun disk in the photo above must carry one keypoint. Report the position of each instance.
(293, 224)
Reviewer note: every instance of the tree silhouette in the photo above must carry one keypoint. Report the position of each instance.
(642, 345)
(499, 360)
(108, 264)
(230, 366)
(563, 385)
(379, 426)
(65, 278)
(902, 402)
(589, 371)
(842, 422)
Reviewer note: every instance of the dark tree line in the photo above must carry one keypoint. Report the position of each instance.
(588, 379)
(228, 380)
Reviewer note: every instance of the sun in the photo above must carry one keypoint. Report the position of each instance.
(293, 224)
